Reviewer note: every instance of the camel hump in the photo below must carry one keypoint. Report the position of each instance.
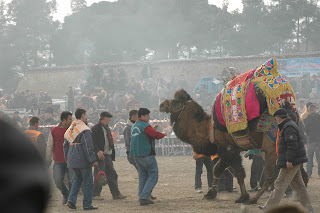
(182, 95)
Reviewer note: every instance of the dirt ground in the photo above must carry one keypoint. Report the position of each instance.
(175, 191)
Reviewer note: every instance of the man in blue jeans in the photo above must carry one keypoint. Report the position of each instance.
(55, 151)
(143, 150)
(80, 156)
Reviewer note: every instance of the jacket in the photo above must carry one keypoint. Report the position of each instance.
(291, 147)
(55, 145)
(38, 139)
(80, 154)
(127, 135)
(99, 140)
(311, 127)
(143, 139)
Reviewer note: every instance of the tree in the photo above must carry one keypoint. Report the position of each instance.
(8, 56)
(31, 32)
(77, 5)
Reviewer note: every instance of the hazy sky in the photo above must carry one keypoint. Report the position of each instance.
(65, 9)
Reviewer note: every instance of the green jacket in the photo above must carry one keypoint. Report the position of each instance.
(141, 144)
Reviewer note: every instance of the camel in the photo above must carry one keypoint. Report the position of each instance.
(192, 125)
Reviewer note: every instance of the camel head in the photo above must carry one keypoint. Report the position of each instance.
(175, 104)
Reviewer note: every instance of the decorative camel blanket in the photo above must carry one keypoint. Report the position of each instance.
(268, 124)
(237, 103)
(275, 87)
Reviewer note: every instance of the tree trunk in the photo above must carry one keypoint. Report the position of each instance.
(307, 34)
(298, 36)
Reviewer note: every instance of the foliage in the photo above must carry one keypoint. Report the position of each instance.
(133, 30)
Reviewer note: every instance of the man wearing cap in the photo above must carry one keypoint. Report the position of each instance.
(142, 148)
(104, 149)
(312, 130)
(291, 155)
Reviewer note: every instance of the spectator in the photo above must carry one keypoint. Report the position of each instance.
(70, 98)
(55, 149)
(47, 98)
(49, 108)
(87, 100)
(34, 110)
(80, 157)
(17, 120)
(314, 96)
(104, 149)
(36, 136)
(306, 112)
(302, 107)
(312, 123)
(133, 117)
(257, 169)
(200, 160)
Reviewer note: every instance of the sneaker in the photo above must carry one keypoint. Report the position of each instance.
(64, 200)
(90, 208)
(198, 190)
(261, 207)
(97, 198)
(153, 198)
(120, 197)
(71, 205)
(144, 202)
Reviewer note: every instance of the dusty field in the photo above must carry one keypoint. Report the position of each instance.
(175, 191)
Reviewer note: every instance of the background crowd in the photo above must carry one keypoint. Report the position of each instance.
(114, 91)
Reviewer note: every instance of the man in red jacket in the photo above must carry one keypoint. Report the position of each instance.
(55, 148)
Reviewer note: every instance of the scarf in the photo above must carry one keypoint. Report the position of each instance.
(76, 128)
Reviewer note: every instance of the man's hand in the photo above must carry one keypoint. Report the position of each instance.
(48, 163)
(95, 164)
(195, 156)
(246, 155)
(289, 165)
(100, 155)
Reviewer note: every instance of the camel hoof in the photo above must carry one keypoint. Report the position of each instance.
(243, 198)
(251, 201)
(211, 195)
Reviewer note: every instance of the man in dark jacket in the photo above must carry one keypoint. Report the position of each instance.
(80, 157)
(104, 149)
(291, 155)
(133, 117)
(312, 123)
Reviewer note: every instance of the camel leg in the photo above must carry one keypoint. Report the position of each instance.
(240, 173)
(269, 166)
(217, 172)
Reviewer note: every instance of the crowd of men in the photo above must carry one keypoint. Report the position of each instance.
(74, 149)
